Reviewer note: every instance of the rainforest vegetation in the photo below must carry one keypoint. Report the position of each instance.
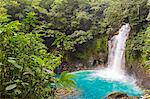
(37, 36)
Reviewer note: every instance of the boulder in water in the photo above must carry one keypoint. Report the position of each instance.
(119, 95)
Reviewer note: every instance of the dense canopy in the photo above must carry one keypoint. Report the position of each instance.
(36, 36)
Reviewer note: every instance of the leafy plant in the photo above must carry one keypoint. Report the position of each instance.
(65, 80)
(23, 59)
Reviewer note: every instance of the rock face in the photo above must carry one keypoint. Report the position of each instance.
(146, 82)
(119, 95)
(143, 78)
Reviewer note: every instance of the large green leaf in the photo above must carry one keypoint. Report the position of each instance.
(65, 80)
(10, 87)
(1, 63)
(28, 71)
(14, 63)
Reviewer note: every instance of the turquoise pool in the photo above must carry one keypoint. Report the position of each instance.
(97, 88)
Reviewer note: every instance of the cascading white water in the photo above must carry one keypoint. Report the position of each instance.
(116, 57)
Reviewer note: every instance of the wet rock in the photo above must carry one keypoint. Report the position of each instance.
(115, 95)
(134, 70)
(119, 95)
(146, 82)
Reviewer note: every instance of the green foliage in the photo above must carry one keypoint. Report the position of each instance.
(132, 11)
(30, 21)
(65, 80)
(24, 61)
(10, 87)
(138, 48)
(92, 48)
(146, 55)
(68, 22)
(27, 65)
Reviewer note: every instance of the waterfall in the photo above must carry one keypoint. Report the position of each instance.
(116, 57)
